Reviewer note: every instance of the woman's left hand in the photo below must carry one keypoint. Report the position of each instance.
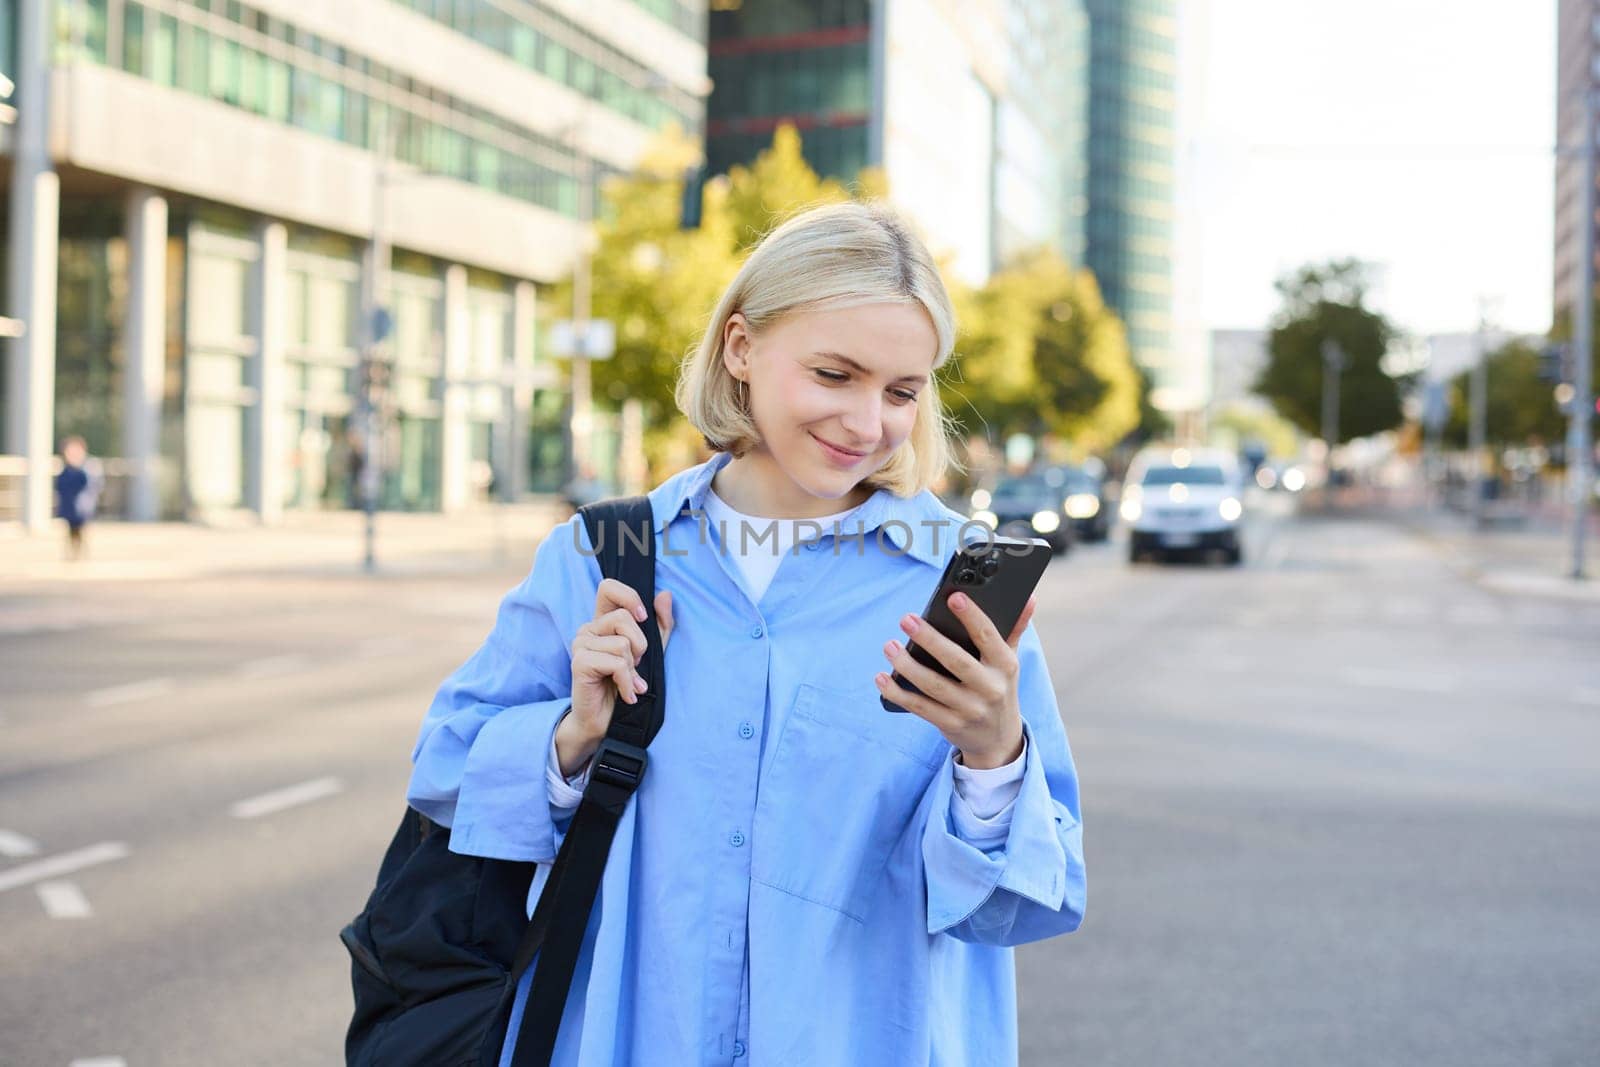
(978, 711)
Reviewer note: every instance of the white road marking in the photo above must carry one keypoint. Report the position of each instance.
(63, 900)
(14, 846)
(127, 694)
(291, 796)
(66, 863)
(273, 665)
(1409, 681)
(100, 1061)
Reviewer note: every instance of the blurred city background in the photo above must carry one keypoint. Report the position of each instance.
(1276, 320)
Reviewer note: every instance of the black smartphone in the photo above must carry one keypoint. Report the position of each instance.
(999, 574)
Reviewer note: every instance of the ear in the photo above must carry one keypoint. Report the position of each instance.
(736, 344)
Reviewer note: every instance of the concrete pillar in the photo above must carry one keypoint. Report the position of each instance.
(31, 268)
(524, 320)
(265, 448)
(145, 352)
(455, 447)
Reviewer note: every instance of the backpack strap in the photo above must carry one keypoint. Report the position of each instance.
(622, 533)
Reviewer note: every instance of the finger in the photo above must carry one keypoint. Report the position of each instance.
(622, 624)
(918, 705)
(932, 684)
(609, 647)
(596, 665)
(955, 658)
(664, 615)
(991, 647)
(1022, 622)
(612, 594)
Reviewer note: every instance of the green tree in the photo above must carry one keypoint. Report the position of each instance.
(1039, 352)
(655, 281)
(780, 182)
(1323, 303)
(1520, 407)
(659, 283)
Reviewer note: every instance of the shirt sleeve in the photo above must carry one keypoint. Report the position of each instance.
(565, 793)
(477, 765)
(980, 806)
(1031, 884)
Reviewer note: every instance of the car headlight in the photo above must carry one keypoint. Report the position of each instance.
(986, 517)
(1132, 509)
(1230, 509)
(1046, 521)
(1082, 506)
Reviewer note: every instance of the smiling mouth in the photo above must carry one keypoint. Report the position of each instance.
(851, 453)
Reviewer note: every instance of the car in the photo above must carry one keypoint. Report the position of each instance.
(1183, 500)
(1025, 505)
(1083, 502)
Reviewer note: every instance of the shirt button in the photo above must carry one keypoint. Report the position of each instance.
(736, 839)
(812, 546)
(746, 731)
(756, 632)
(738, 1049)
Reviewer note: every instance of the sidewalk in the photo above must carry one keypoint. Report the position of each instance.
(1529, 559)
(306, 544)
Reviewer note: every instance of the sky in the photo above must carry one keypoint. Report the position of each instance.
(1414, 134)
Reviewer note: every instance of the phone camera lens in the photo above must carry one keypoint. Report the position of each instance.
(989, 567)
(966, 577)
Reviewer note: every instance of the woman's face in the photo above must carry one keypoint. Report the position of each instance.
(834, 391)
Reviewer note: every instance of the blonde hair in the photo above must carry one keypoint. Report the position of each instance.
(835, 256)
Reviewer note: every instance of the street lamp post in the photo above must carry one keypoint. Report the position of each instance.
(582, 389)
(1477, 428)
(1580, 468)
(1333, 362)
(375, 326)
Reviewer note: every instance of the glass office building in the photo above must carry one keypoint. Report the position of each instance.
(962, 106)
(218, 172)
(1129, 194)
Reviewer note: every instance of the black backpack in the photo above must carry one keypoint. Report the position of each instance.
(445, 938)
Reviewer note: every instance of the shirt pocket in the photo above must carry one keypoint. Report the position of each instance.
(839, 796)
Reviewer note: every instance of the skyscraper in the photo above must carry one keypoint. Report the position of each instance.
(962, 105)
(1576, 33)
(1128, 207)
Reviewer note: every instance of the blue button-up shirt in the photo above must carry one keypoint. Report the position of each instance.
(787, 886)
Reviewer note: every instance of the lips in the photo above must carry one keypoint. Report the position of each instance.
(842, 456)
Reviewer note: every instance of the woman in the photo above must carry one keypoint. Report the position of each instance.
(803, 877)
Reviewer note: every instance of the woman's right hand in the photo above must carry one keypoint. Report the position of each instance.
(605, 657)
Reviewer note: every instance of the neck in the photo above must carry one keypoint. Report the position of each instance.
(752, 484)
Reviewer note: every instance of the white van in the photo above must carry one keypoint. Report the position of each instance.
(1183, 500)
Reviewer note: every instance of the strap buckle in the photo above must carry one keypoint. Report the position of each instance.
(617, 763)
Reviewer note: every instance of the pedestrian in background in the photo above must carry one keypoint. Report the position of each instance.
(77, 491)
(802, 877)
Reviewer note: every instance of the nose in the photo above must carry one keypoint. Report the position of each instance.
(862, 419)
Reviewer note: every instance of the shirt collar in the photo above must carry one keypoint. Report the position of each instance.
(919, 526)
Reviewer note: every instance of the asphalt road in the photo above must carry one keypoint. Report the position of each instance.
(1341, 806)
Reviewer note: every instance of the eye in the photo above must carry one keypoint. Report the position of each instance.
(832, 375)
(905, 396)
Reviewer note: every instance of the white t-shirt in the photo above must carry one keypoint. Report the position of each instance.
(981, 806)
(749, 540)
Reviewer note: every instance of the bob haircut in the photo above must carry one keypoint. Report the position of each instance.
(834, 256)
